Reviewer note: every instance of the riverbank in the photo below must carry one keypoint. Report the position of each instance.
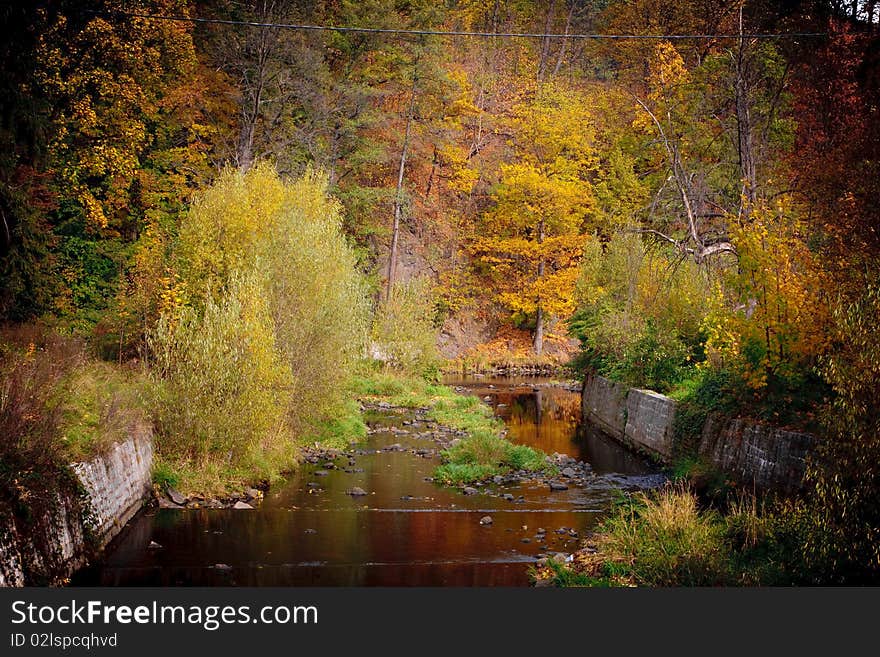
(671, 538)
(471, 441)
(736, 515)
(373, 513)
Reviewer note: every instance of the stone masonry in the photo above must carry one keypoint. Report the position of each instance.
(50, 549)
(753, 454)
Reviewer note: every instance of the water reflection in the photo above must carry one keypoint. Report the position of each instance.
(406, 531)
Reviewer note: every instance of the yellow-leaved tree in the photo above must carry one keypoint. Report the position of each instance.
(772, 318)
(532, 236)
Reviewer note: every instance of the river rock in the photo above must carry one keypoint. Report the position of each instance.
(486, 520)
(321, 473)
(242, 505)
(356, 492)
(568, 472)
(176, 496)
(253, 493)
(153, 545)
(469, 490)
(558, 485)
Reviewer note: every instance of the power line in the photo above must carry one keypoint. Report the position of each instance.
(512, 35)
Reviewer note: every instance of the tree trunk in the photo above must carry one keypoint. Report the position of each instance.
(539, 313)
(545, 42)
(744, 127)
(561, 56)
(398, 196)
(254, 88)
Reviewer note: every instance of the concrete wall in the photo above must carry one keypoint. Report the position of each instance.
(751, 453)
(47, 549)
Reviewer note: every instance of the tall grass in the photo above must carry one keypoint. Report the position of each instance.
(665, 538)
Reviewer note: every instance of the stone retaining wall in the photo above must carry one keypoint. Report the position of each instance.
(751, 453)
(649, 418)
(603, 403)
(47, 550)
(758, 454)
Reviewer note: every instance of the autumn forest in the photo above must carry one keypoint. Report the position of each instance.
(235, 220)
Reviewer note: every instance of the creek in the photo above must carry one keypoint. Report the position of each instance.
(407, 530)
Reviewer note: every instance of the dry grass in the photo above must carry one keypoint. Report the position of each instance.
(33, 364)
(56, 406)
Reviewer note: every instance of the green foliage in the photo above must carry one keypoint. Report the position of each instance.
(456, 474)
(101, 404)
(164, 474)
(845, 475)
(561, 576)
(57, 406)
(708, 391)
(639, 313)
(483, 454)
(668, 540)
(26, 258)
(220, 384)
(341, 428)
(467, 413)
(404, 334)
(33, 365)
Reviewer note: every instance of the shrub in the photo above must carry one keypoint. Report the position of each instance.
(32, 367)
(256, 342)
(640, 312)
(220, 389)
(404, 334)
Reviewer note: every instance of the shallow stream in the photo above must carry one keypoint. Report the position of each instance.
(407, 530)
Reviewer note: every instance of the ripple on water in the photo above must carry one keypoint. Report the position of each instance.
(404, 530)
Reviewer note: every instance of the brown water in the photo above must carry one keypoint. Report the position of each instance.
(407, 531)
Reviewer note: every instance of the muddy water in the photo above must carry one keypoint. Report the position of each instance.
(406, 530)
